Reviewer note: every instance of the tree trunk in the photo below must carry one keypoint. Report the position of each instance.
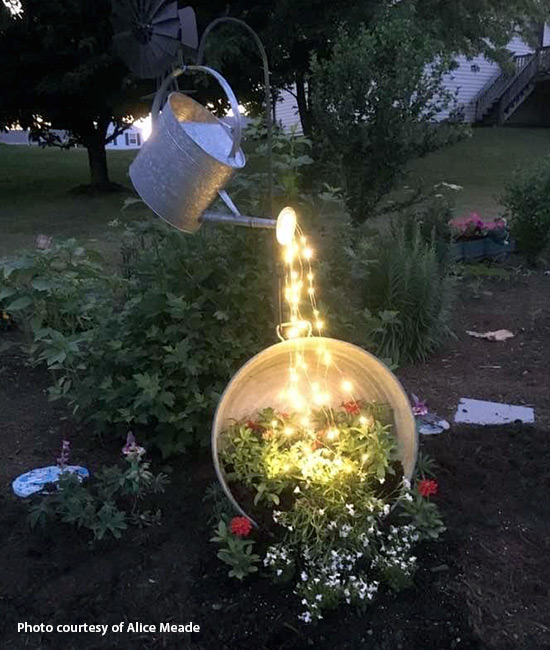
(97, 160)
(303, 108)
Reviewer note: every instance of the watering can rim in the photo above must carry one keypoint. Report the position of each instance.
(236, 161)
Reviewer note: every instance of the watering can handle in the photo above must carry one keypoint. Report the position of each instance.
(161, 92)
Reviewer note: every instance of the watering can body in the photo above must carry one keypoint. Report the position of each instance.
(188, 159)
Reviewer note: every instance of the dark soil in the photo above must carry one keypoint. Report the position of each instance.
(485, 586)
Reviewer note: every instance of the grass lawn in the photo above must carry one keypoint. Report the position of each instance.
(35, 184)
(483, 165)
(35, 196)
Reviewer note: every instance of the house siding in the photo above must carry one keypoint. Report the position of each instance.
(472, 75)
(286, 111)
(467, 80)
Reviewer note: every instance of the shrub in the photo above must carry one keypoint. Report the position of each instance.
(402, 278)
(526, 200)
(376, 101)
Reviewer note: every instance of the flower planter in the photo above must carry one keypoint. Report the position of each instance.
(473, 249)
(258, 385)
(497, 250)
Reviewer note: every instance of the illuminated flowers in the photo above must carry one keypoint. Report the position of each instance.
(352, 408)
(241, 526)
(427, 487)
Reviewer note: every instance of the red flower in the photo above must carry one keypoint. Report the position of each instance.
(254, 426)
(241, 526)
(352, 408)
(427, 487)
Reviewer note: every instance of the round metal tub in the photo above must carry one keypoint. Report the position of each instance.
(259, 382)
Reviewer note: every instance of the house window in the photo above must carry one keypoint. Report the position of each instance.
(133, 139)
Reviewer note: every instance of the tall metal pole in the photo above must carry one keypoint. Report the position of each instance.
(267, 86)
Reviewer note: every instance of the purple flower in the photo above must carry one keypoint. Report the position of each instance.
(131, 448)
(419, 408)
(63, 459)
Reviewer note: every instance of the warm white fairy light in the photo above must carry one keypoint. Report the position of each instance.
(15, 7)
(347, 386)
(289, 431)
(332, 434)
(274, 424)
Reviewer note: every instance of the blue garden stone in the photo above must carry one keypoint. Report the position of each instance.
(35, 481)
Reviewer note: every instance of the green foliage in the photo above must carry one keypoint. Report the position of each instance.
(375, 101)
(105, 505)
(526, 200)
(424, 515)
(290, 160)
(236, 552)
(62, 288)
(156, 349)
(402, 276)
(336, 524)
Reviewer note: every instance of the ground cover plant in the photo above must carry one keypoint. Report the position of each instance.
(105, 504)
(336, 516)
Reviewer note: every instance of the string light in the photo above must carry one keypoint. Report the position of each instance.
(347, 386)
(332, 433)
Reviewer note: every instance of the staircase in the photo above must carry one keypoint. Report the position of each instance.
(505, 94)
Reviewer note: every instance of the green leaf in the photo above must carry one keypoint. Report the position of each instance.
(6, 292)
(19, 304)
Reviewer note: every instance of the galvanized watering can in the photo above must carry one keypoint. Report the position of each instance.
(189, 158)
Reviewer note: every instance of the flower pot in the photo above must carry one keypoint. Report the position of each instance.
(473, 249)
(496, 250)
(455, 251)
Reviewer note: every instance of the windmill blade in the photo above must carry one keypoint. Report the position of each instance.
(188, 25)
(146, 35)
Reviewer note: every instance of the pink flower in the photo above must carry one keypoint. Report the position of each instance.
(419, 408)
(131, 448)
(63, 459)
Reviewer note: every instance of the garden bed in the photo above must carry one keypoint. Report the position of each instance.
(484, 586)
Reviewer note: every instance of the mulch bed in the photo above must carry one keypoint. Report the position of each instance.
(486, 585)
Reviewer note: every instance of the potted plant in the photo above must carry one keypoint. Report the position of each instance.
(468, 235)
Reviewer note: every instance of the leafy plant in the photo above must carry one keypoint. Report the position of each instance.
(401, 277)
(236, 552)
(107, 504)
(376, 101)
(526, 200)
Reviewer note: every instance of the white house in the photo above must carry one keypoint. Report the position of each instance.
(485, 93)
(132, 138)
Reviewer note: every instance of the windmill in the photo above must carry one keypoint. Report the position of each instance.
(149, 34)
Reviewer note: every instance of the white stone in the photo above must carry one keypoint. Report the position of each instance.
(474, 411)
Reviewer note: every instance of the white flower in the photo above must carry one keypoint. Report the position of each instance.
(382, 480)
(303, 576)
(386, 509)
(322, 511)
(350, 509)
(408, 496)
(406, 483)
(306, 617)
(297, 490)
